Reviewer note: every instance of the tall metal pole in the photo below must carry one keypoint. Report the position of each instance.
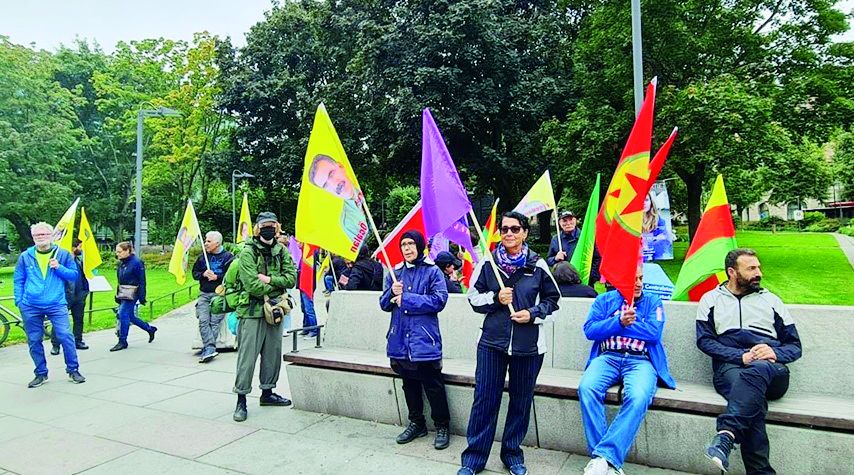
(637, 55)
(233, 217)
(137, 233)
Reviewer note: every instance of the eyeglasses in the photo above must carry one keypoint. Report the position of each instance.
(511, 229)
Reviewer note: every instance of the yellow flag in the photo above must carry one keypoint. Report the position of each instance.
(539, 198)
(64, 229)
(244, 226)
(321, 271)
(91, 254)
(329, 211)
(187, 235)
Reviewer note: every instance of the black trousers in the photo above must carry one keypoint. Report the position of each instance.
(747, 390)
(426, 376)
(77, 323)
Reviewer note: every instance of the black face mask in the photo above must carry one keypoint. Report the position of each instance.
(268, 233)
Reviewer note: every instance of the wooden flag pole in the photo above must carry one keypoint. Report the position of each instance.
(196, 219)
(488, 255)
(559, 240)
(379, 240)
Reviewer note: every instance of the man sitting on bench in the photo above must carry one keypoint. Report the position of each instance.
(750, 336)
(626, 347)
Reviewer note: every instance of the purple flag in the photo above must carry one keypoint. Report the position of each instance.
(443, 196)
(296, 252)
(438, 243)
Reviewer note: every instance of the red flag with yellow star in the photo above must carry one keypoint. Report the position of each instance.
(618, 226)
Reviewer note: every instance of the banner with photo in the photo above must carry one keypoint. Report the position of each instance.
(658, 235)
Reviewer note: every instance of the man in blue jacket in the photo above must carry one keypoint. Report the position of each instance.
(568, 236)
(40, 277)
(626, 347)
(209, 272)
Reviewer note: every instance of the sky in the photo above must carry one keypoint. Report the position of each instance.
(49, 23)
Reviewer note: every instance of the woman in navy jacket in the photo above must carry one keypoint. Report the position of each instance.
(414, 340)
(130, 271)
(513, 342)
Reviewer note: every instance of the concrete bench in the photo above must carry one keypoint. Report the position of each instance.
(811, 428)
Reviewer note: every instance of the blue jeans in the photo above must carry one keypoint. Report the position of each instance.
(309, 318)
(34, 327)
(329, 283)
(127, 315)
(639, 384)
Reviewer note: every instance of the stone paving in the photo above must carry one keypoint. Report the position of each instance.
(154, 409)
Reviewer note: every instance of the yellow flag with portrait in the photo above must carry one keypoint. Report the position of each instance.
(330, 212)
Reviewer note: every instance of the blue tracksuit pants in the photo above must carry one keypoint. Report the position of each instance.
(34, 327)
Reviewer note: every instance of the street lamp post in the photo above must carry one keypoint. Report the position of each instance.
(140, 116)
(637, 55)
(236, 174)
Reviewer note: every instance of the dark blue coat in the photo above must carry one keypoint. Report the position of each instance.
(534, 290)
(569, 243)
(413, 333)
(131, 271)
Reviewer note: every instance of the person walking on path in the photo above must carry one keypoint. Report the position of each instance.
(414, 340)
(39, 287)
(75, 294)
(130, 293)
(209, 279)
(513, 342)
(265, 273)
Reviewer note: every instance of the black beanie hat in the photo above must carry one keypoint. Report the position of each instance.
(420, 243)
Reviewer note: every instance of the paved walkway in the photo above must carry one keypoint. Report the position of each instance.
(847, 245)
(154, 409)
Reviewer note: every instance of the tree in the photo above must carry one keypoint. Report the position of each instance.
(491, 72)
(707, 54)
(38, 139)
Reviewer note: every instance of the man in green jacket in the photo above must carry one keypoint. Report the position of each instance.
(265, 270)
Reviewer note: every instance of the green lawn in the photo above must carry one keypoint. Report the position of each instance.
(799, 267)
(160, 283)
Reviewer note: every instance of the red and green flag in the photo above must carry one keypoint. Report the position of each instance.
(618, 226)
(703, 269)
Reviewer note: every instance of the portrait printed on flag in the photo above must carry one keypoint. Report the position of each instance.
(330, 176)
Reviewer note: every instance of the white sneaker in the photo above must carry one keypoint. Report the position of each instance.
(597, 466)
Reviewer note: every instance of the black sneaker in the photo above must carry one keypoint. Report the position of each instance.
(412, 432)
(37, 381)
(80, 345)
(274, 399)
(718, 450)
(119, 347)
(54, 350)
(151, 334)
(443, 438)
(240, 412)
(76, 377)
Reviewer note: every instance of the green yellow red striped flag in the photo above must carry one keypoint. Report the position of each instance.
(703, 269)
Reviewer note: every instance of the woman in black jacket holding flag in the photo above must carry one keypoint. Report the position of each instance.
(511, 340)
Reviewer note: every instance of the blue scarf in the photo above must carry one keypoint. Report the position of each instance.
(509, 263)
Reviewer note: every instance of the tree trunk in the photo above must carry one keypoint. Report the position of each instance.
(23, 228)
(694, 185)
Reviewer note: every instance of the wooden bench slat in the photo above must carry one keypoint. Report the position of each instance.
(815, 410)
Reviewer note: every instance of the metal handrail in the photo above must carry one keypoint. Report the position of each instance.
(150, 303)
(295, 333)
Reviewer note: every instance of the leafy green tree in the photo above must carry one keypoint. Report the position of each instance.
(38, 139)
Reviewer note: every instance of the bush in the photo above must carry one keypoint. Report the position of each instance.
(847, 230)
(825, 226)
(766, 224)
(813, 217)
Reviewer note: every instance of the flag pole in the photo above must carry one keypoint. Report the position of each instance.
(332, 269)
(488, 255)
(196, 219)
(379, 240)
(557, 226)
